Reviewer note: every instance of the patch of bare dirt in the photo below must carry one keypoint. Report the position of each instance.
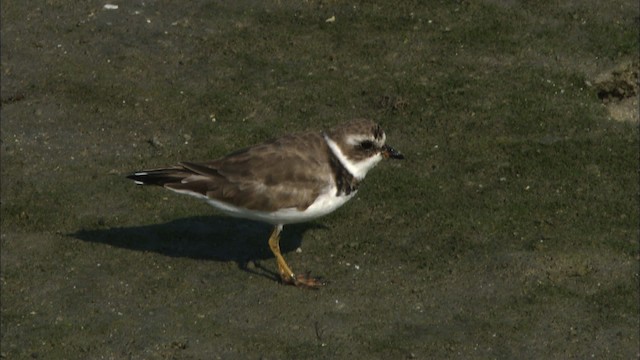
(618, 90)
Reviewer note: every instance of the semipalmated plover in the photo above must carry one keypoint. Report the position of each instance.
(295, 178)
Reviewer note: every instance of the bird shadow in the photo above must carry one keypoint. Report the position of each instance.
(215, 238)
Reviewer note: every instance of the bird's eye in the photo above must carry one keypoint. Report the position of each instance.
(367, 145)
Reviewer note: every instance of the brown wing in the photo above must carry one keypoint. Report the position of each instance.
(288, 172)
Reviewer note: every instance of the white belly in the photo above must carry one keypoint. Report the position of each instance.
(326, 203)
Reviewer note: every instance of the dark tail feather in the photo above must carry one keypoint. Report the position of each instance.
(159, 177)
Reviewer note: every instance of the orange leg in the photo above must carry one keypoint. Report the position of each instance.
(287, 276)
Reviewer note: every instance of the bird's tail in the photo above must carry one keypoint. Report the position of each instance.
(160, 177)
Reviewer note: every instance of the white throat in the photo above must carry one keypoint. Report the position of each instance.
(357, 169)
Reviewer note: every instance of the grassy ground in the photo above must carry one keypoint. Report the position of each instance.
(511, 230)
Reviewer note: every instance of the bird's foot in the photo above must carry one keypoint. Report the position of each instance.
(303, 281)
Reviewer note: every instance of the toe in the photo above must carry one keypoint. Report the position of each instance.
(303, 281)
(307, 281)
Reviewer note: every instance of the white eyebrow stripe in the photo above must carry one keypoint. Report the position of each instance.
(355, 140)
